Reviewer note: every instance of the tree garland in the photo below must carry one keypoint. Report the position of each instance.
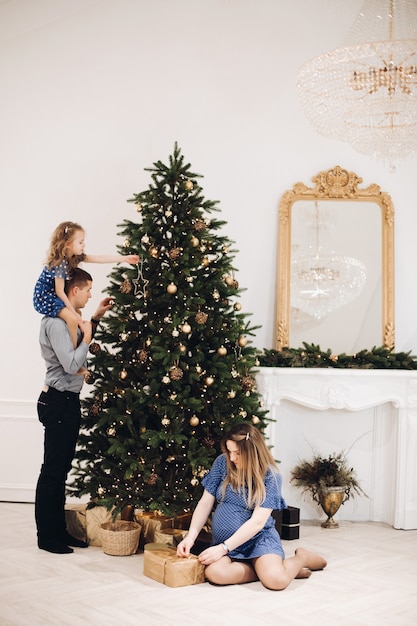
(311, 355)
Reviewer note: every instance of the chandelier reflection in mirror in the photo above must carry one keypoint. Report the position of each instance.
(365, 92)
(322, 281)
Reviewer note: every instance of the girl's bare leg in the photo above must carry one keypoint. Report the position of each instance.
(276, 573)
(228, 572)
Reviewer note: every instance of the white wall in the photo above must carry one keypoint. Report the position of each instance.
(92, 92)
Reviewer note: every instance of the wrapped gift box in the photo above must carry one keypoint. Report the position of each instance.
(182, 520)
(84, 523)
(290, 523)
(95, 517)
(287, 522)
(75, 518)
(151, 522)
(163, 565)
(170, 536)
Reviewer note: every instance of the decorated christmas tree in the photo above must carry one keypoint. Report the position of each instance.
(172, 364)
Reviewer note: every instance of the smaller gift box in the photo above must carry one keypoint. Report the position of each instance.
(287, 522)
(162, 564)
(151, 522)
(171, 536)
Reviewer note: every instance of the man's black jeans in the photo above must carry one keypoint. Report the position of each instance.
(60, 414)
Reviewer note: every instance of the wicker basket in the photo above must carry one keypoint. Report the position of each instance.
(120, 538)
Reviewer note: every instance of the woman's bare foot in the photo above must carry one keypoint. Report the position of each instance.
(304, 573)
(311, 560)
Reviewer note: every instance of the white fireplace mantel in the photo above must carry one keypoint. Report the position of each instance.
(346, 390)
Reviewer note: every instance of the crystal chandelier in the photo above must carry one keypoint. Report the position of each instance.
(365, 92)
(322, 281)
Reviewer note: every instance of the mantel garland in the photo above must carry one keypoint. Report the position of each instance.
(311, 355)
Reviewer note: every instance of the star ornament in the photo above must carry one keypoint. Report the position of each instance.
(140, 283)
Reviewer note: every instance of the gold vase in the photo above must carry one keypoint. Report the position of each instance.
(330, 500)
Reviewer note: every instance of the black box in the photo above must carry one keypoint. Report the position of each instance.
(287, 523)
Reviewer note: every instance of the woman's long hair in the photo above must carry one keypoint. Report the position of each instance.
(60, 240)
(255, 459)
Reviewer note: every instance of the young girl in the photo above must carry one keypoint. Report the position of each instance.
(66, 252)
(245, 486)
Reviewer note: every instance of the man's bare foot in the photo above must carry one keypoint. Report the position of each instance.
(311, 560)
(304, 573)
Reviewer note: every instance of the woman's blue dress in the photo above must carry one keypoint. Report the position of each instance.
(45, 299)
(231, 512)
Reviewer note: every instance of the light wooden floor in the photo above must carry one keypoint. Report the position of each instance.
(371, 579)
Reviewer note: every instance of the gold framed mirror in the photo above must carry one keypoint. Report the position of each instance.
(335, 283)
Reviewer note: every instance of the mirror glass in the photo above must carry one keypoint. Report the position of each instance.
(335, 265)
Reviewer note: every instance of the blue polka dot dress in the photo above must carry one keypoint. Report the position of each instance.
(45, 299)
(231, 512)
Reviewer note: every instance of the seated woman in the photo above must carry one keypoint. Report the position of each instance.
(245, 485)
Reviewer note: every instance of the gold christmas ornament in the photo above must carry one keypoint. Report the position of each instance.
(182, 348)
(186, 328)
(216, 295)
(165, 421)
(255, 419)
(209, 380)
(195, 242)
(126, 243)
(237, 306)
(194, 482)
(235, 284)
(229, 280)
(172, 288)
(154, 252)
(205, 261)
(242, 341)
(221, 351)
(188, 185)
(138, 207)
(145, 239)
(201, 317)
(123, 374)
(194, 421)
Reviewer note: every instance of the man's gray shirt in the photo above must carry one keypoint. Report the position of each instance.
(62, 360)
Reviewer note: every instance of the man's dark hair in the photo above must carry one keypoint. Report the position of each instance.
(78, 277)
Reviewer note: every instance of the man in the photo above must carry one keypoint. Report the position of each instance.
(60, 413)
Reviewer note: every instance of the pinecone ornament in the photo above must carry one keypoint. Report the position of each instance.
(199, 225)
(94, 409)
(126, 286)
(153, 479)
(94, 348)
(142, 356)
(175, 373)
(200, 317)
(174, 253)
(247, 383)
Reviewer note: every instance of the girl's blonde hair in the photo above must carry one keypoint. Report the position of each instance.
(60, 241)
(255, 459)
